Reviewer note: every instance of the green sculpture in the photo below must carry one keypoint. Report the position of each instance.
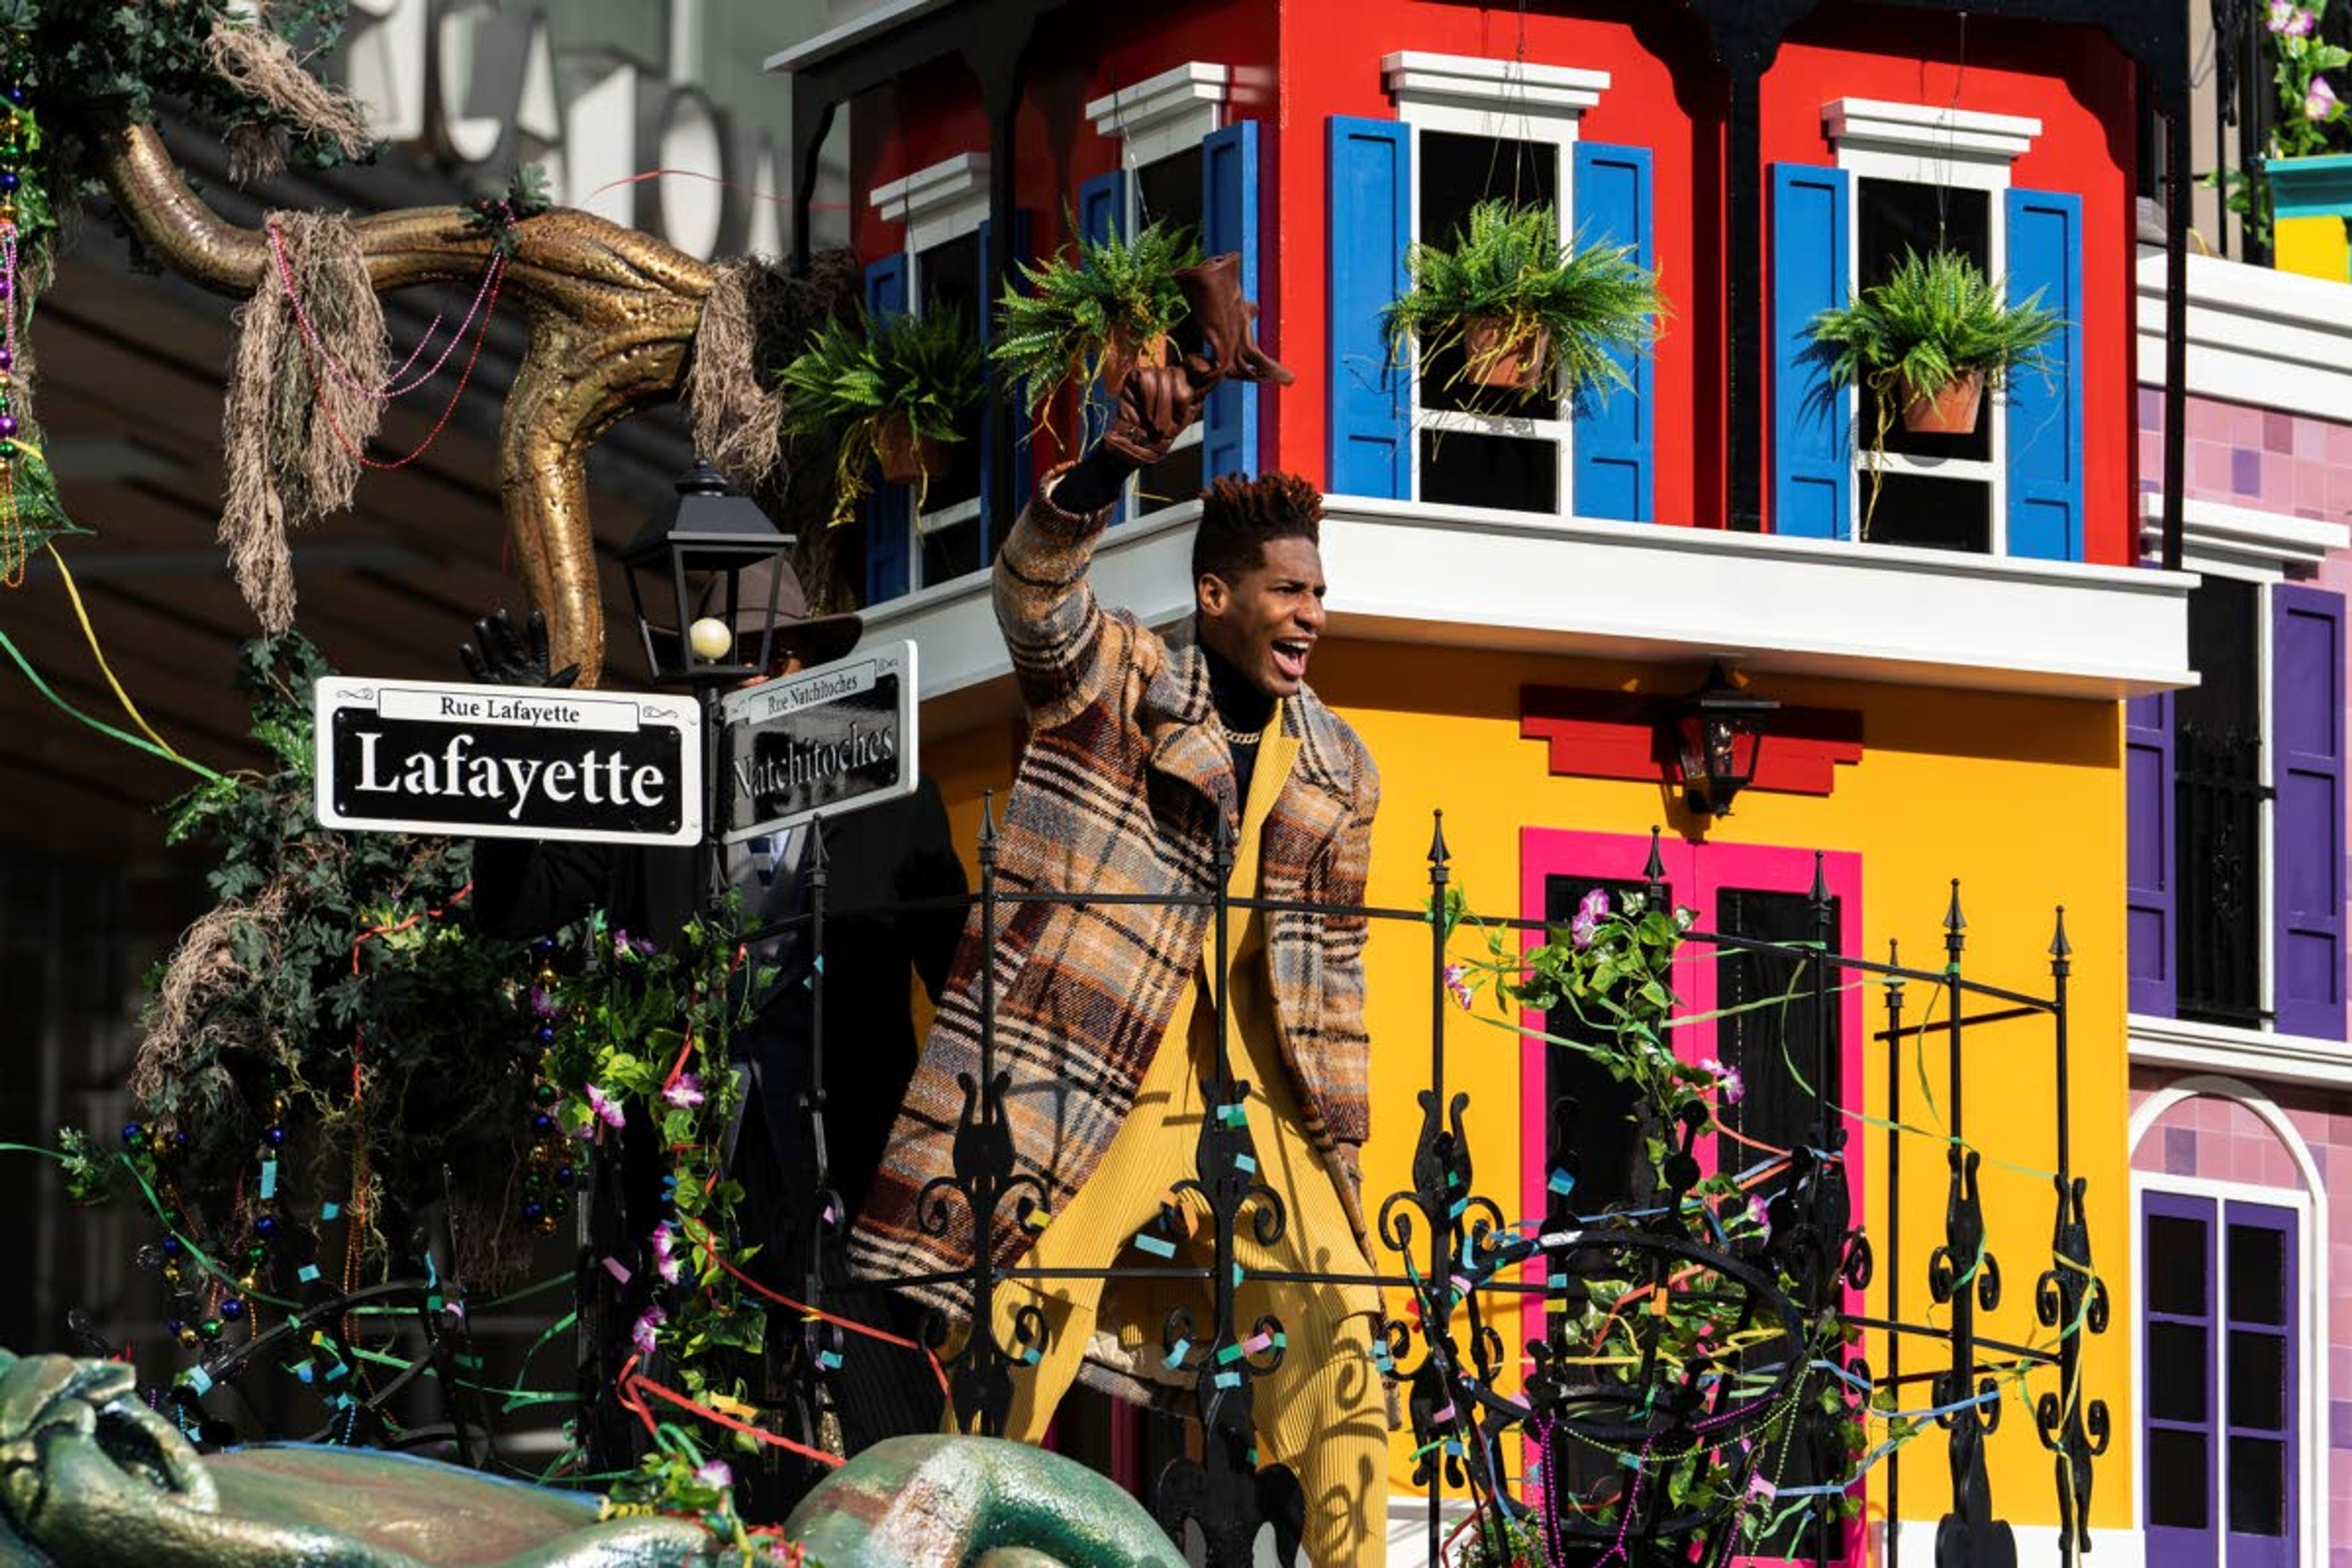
(89, 1475)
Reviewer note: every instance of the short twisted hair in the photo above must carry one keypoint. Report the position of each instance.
(1239, 516)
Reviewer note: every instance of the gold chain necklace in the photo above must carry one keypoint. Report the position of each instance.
(1241, 737)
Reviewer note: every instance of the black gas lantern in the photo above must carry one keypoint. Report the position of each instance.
(685, 575)
(1719, 729)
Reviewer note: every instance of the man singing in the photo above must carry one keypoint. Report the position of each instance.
(1139, 748)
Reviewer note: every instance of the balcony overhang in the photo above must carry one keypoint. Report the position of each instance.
(1459, 577)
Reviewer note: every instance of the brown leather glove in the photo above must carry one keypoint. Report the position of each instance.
(1155, 404)
(1217, 335)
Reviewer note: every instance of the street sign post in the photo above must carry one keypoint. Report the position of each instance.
(507, 762)
(824, 740)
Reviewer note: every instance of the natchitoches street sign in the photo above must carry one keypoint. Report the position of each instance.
(827, 740)
(507, 762)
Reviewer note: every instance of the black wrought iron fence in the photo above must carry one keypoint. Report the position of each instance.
(1675, 1445)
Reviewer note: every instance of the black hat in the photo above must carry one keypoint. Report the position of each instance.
(818, 639)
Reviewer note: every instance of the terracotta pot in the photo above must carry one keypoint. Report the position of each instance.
(1951, 412)
(907, 458)
(1120, 355)
(1518, 367)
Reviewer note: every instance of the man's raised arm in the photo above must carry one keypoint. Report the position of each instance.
(1060, 640)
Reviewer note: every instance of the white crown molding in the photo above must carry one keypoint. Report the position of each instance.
(1496, 88)
(1928, 143)
(2273, 340)
(1164, 114)
(938, 202)
(2241, 541)
(2240, 1052)
(1521, 582)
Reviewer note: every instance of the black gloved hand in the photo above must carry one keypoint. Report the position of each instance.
(508, 656)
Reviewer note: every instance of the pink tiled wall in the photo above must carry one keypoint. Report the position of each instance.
(2264, 457)
(2221, 1140)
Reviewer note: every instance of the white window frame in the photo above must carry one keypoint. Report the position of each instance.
(2260, 547)
(1471, 95)
(935, 205)
(1959, 149)
(1160, 118)
(2310, 1205)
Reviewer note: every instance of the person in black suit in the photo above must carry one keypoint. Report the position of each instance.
(894, 909)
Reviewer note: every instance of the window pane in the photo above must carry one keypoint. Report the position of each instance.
(1456, 174)
(2176, 1372)
(1508, 471)
(1938, 514)
(2257, 1275)
(1607, 1141)
(2175, 1266)
(1168, 191)
(1778, 1048)
(2219, 786)
(1894, 217)
(952, 550)
(2178, 1476)
(2257, 1380)
(2257, 1485)
(1175, 479)
(947, 277)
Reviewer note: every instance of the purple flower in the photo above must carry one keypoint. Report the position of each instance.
(1458, 981)
(1729, 1086)
(666, 1255)
(2320, 102)
(714, 1473)
(607, 1109)
(642, 1331)
(2290, 20)
(542, 1002)
(686, 1093)
(1760, 1216)
(1591, 911)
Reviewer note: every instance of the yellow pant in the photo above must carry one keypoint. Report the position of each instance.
(1322, 1412)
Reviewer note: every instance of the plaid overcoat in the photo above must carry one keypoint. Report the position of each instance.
(1120, 787)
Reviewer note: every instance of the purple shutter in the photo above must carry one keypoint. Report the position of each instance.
(2261, 1335)
(2180, 1456)
(2308, 820)
(2150, 848)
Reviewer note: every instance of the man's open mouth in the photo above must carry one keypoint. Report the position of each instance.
(1290, 656)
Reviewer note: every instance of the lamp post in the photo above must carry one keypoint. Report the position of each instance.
(688, 573)
(1718, 731)
(686, 581)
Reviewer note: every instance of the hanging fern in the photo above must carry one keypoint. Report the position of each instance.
(1082, 310)
(854, 379)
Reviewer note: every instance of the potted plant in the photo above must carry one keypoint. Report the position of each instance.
(2296, 186)
(1089, 314)
(893, 390)
(1525, 309)
(1930, 340)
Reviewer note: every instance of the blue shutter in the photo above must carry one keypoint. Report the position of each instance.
(2045, 407)
(889, 521)
(1371, 225)
(2150, 855)
(1229, 208)
(1615, 435)
(2307, 824)
(1102, 213)
(1812, 456)
(1016, 394)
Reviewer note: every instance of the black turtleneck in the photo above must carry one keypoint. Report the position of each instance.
(1242, 709)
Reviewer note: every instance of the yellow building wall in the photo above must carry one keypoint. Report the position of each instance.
(2021, 798)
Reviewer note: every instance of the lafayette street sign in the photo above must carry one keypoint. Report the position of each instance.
(828, 739)
(507, 762)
